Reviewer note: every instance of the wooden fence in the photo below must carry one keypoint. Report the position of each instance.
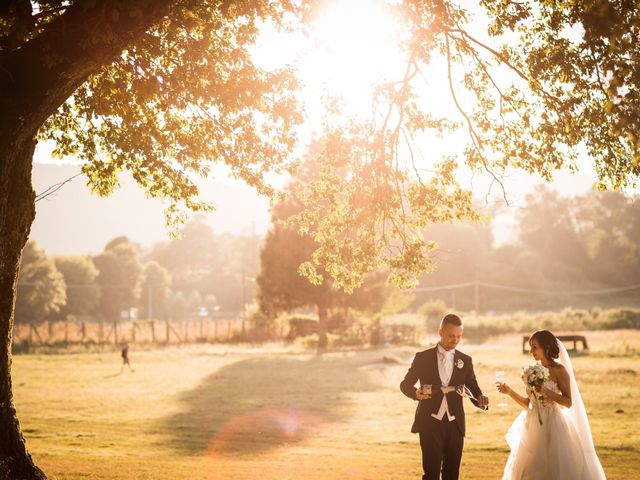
(141, 331)
(72, 331)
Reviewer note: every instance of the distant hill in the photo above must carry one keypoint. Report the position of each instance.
(74, 221)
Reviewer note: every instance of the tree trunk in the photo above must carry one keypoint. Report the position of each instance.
(322, 327)
(35, 80)
(17, 211)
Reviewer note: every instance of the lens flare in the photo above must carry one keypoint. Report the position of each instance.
(263, 429)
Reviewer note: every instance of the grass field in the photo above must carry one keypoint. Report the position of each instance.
(224, 412)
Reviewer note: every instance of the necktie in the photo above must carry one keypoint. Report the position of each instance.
(443, 356)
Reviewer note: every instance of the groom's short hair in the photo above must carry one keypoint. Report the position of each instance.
(451, 319)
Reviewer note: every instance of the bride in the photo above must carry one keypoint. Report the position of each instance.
(551, 438)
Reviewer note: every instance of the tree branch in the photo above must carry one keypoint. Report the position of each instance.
(477, 142)
(45, 72)
(54, 188)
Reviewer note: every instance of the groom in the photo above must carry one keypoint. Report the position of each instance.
(439, 418)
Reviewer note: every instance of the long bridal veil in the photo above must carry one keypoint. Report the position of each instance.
(577, 415)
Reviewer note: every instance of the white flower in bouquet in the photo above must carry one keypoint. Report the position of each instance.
(533, 376)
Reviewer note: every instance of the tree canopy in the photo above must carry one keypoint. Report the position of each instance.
(546, 84)
(181, 91)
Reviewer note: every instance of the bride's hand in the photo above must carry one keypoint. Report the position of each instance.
(542, 390)
(502, 387)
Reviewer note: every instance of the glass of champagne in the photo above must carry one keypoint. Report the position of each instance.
(500, 378)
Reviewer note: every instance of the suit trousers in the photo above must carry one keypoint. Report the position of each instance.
(441, 448)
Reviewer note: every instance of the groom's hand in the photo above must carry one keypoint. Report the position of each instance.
(420, 395)
(483, 401)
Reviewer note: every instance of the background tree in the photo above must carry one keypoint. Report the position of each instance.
(191, 257)
(281, 287)
(41, 289)
(119, 274)
(83, 293)
(548, 226)
(584, 242)
(608, 225)
(177, 307)
(199, 260)
(155, 290)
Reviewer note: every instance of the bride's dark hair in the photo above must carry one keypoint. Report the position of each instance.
(548, 342)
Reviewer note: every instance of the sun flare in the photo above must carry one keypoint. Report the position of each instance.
(353, 46)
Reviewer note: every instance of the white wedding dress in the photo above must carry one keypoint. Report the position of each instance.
(559, 449)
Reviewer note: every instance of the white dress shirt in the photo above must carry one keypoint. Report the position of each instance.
(445, 370)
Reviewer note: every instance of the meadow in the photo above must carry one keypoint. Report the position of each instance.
(280, 412)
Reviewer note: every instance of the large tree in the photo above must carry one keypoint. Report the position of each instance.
(160, 87)
(281, 288)
(156, 87)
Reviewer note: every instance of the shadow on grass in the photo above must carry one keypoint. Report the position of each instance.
(261, 403)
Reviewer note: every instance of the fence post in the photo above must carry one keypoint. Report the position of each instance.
(153, 331)
(477, 294)
(115, 333)
(35, 330)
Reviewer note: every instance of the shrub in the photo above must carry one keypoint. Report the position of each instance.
(619, 318)
(432, 312)
(302, 327)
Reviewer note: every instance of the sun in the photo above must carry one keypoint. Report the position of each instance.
(353, 46)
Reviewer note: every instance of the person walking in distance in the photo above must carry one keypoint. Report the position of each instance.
(124, 353)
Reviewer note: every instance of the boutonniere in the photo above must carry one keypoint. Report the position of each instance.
(459, 363)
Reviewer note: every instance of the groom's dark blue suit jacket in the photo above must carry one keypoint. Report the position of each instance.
(425, 370)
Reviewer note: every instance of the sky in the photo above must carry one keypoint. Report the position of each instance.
(341, 56)
(74, 221)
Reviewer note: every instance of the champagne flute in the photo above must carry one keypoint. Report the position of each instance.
(500, 378)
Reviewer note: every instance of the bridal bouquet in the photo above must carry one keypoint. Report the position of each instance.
(534, 376)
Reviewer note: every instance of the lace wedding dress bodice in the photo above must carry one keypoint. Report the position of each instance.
(543, 402)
